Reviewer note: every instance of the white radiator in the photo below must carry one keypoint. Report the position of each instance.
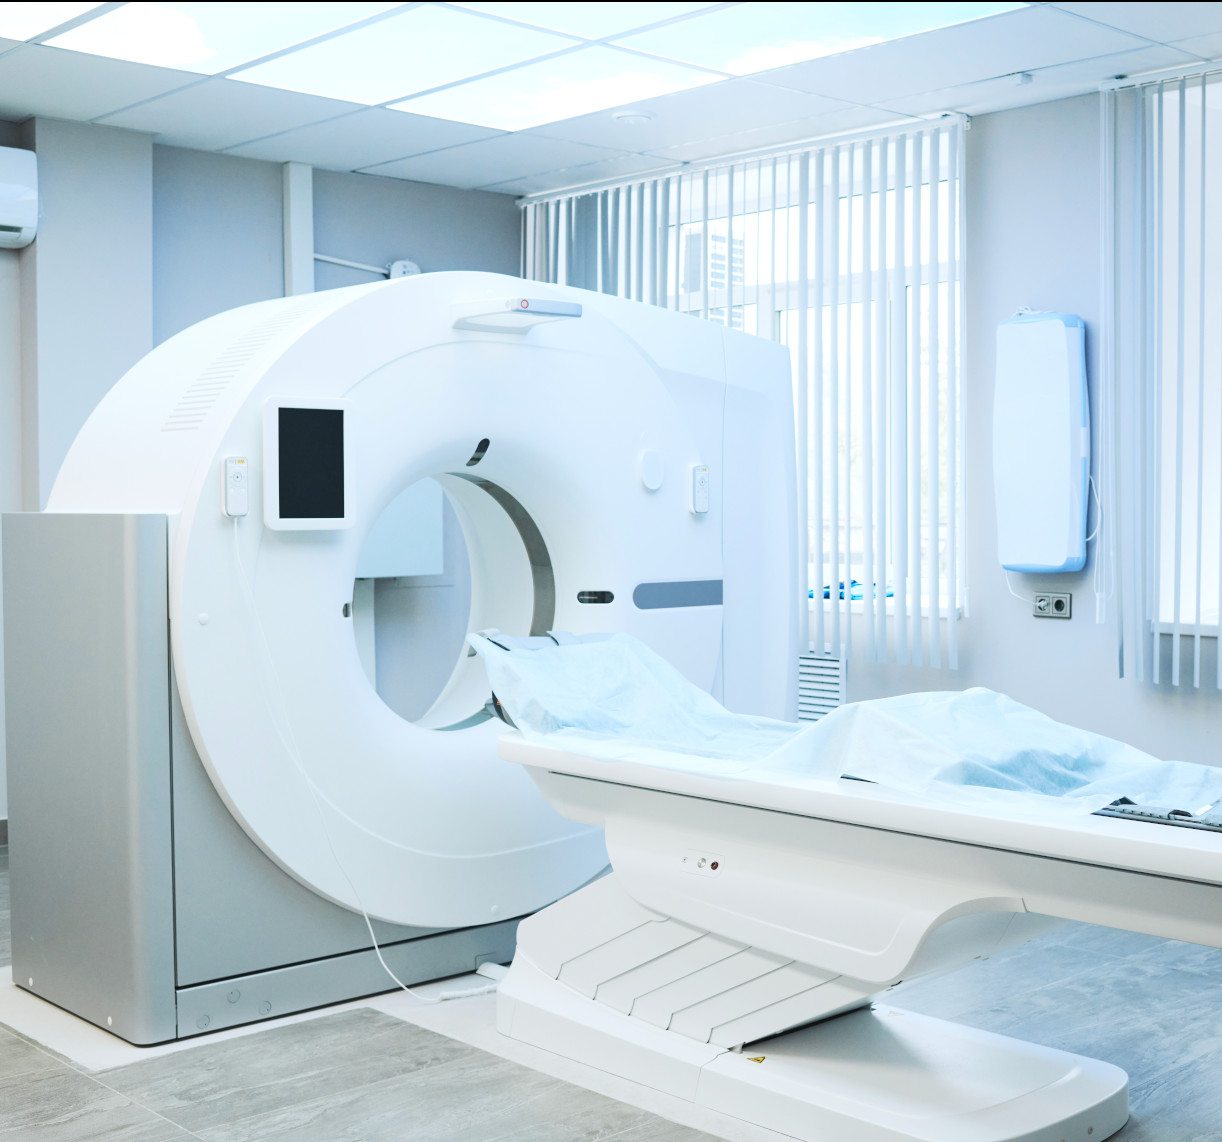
(820, 686)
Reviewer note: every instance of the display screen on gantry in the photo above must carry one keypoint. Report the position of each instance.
(311, 455)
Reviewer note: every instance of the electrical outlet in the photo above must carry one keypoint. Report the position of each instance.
(1052, 605)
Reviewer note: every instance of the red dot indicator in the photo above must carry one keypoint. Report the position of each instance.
(524, 303)
(713, 866)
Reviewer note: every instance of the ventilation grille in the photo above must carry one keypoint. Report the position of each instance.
(203, 393)
(820, 686)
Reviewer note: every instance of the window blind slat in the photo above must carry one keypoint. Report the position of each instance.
(899, 402)
(639, 246)
(802, 412)
(934, 358)
(832, 366)
(867, 399)
(880, 426)
(1156, 419)
(1198, 570)
(914, 405)
(952, 400)
(815, 380)
(846, 576)
(1181, 254)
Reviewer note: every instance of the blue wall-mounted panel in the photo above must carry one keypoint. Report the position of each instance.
(1041, 443)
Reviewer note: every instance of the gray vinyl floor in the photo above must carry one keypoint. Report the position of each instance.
(1153, 1007)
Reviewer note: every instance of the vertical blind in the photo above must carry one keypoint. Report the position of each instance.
(1163, 142)
(850, 254)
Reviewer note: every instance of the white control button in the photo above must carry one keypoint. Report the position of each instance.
(237, 492)
(700, 489)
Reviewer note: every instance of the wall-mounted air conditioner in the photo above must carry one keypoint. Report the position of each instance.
(18, 197)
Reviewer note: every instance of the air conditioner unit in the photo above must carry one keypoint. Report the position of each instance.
(18, 197)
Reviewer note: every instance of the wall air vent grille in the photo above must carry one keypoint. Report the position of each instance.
(201, 395)
(820, 686)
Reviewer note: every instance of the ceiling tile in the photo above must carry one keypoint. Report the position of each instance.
(747, 38)
(25, 21)
(493, 161)
(373, 135)
(1163, 22)
(1046, 83)
(210, 37)
(37, 80)
(686, 116)
(219, 113)
(426, 47)
(605, 170)
(1207, 47)
(590, 79)
(591, 21)
(780, 134)
(1016, 41)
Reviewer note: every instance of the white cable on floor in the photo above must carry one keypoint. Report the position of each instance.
(284, 732)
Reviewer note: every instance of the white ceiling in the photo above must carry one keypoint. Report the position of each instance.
(1065, 48)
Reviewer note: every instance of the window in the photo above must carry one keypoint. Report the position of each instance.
(1167, 367)
(849, 254)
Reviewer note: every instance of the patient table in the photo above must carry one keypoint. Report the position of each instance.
(740, 954)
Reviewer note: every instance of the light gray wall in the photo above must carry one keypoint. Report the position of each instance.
(86, 284)
(217, 236)
(1032, 198)
(365, 218)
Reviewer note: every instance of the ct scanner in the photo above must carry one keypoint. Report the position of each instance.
(206, 791)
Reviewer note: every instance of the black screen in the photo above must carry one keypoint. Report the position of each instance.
(311, 448)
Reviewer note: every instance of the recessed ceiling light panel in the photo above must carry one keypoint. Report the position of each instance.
(581, 82)
(416, 50)
(749, 38)
(24, 21)
(207, 38)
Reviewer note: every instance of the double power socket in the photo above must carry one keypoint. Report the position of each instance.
(1052, 605)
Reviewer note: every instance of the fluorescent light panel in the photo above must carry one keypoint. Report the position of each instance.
(749, 38)
(206, 38)
(415, 51)
(592, 79)
(590, 21)
(23, 21)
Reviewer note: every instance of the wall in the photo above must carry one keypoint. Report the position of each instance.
(86, 285)
(10, 406)
(364, 218)
(1033, 210)
(217, 236)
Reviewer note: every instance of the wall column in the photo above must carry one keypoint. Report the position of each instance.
(86, 285)
(298, 228)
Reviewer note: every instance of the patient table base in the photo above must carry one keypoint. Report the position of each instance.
(877, 1074)
(601, 979)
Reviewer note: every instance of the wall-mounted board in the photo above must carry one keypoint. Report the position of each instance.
(1041, 443)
